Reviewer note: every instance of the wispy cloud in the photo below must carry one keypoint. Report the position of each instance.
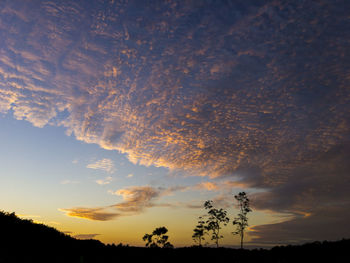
(85, 236)
(207, 186)
(28, 216)
(222, 185)
(105, 164)
(98, 214)
(105, 181)
(67, 181)
(136, 199)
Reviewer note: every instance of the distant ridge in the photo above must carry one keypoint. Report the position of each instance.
(22, 240)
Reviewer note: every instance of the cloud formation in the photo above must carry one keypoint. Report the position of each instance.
(210, 186)
(98, 214)
(67, 181)
(105, 181)
(85, 236)
(105, 164)
(136, 199)
(316, 197)
(255, 91)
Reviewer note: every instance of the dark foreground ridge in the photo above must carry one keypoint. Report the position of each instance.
(24, 241)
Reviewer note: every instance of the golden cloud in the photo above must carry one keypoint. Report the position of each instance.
(98, 214)
(207, 186)
(135, 200)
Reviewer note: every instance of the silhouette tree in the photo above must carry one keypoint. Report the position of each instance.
(241, 221)
(158, 238)
(216, 218)
(199, 231)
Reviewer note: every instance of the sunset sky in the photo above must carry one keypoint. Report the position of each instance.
(117, 117)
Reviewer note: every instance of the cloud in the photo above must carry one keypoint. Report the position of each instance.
(209, 186)
(305, 228)
(54, 223)
(194, 206)
(130, 175)
(136, 199)
(67, 181)
(29, 216)
(316, 198)
(98, 214)
(105, 181)
(86, 236)
(213, 118)
(172, 189)
(106, 165)
(220, 185)
(258, 94)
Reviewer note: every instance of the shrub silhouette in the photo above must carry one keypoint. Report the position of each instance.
(199, 231)
(157, 238)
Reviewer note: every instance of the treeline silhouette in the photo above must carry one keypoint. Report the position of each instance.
(212, 222)
(22, 240)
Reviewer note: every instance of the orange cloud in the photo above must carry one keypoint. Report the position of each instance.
(98, 214)
(207, 186)
(136, 198)
(220, 185)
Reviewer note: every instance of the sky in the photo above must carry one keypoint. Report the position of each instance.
(117, 117)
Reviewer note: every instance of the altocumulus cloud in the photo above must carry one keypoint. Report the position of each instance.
(258, 92)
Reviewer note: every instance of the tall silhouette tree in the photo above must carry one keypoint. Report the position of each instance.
(241, 221)
(158, 238)
(199, 231)
(216, 218)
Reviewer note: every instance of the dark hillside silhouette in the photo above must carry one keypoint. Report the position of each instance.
(24, 241)
(21, 239)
